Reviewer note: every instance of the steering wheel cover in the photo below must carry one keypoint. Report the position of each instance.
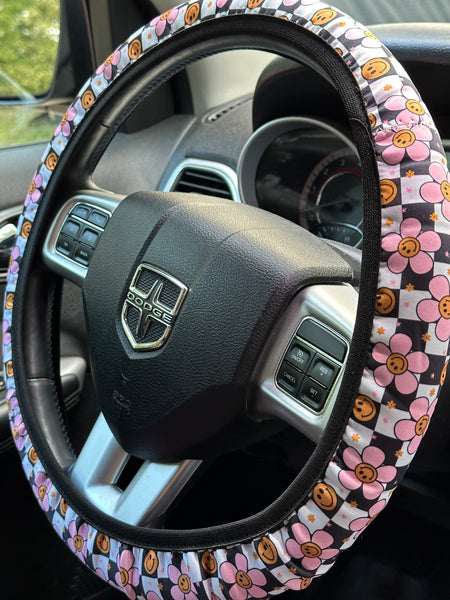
(410, 322)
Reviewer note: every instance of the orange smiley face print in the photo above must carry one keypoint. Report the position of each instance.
(323, 16)
(375, 68)
(364, 408)
(385, 301)
(267, 551)
(324, 496)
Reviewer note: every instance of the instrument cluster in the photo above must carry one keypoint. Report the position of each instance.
(307, 171)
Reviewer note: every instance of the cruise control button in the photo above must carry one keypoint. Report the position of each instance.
(323, 371)
(289, 378)
(299, 356)
(312, 394)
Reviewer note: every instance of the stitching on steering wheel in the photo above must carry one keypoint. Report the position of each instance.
(409, 340)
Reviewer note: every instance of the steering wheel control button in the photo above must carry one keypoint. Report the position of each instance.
(65, 245)
(80, 233)
(322, 338)
(310, 365)
(99, 218)
(71, 228)
(289, 379)
(82, 211)
(323, 371)
(83, 255)
(90, 238)
(312, 394)
(299, 356)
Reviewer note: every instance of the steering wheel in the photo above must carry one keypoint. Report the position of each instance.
(208, 321)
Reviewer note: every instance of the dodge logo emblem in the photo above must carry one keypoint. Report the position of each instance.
(150, 307)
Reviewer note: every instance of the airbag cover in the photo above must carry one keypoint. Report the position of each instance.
(240, 266)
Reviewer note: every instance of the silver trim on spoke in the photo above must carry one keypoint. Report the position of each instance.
(334, 306)
(146, 498)
(64, 266)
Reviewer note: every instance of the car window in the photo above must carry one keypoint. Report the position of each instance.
(29, 36)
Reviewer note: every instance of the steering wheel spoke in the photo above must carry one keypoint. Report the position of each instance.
(299, 374)
(75, 233)
(146, 499)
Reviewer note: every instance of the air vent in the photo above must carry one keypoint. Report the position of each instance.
(204, 177)
(203, 182)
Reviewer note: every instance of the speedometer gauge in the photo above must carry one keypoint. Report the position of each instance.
(307, 171)
(331, 202)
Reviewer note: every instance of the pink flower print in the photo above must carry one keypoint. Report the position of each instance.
(183, 588)
(107, 67)
(104, 575)
(312, 549)
(414, 429)
(368, 39)
(33, 191)
(410, 107)
(41, 487)
(439, 189)
(163, 20)
(298, 583)
(399, 363)
(6, 334)
(64, 126)
(245, 581)
(366, 471)
(409, 141)
(13, 263)
(128, 576)
(411, 247)
(361, 523)
(100, 573)
(78, 539)
(11, 401)
(19, 431)
(438, 309)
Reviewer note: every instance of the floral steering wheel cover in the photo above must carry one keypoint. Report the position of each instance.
(406, 363)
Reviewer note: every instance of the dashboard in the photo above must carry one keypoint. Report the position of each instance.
(288, 148)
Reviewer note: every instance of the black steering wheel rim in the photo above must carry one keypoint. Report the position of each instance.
(343, 80)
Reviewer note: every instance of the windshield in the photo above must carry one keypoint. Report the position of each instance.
(375, 12)
(395, 11)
